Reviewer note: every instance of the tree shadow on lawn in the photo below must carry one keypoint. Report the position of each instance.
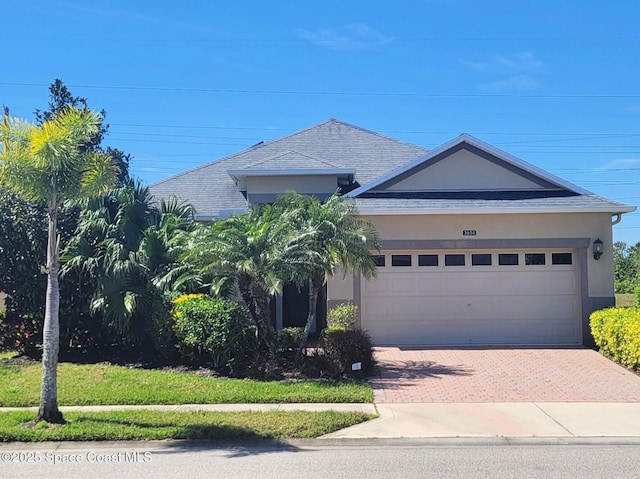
(201, 437)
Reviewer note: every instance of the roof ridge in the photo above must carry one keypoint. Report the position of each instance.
(375, 133)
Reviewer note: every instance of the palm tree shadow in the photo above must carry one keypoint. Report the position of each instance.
(399, 375)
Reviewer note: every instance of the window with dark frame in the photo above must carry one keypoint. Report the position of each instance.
(561, 258)
(454, 260)
(427, 260)
(400, 260)
(481, 259)
(378, 259)
(508, 259)
(534, 259)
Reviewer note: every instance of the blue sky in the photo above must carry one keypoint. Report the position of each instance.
(184, 83)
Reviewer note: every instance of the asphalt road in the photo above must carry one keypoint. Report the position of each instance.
(137, 460)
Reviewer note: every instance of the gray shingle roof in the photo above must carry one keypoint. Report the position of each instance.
(577, 203)
(213, 193)
(335, 145)
(291, 159)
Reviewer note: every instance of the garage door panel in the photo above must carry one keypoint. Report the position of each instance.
(447, 332)
(448, 284)
(469, 305)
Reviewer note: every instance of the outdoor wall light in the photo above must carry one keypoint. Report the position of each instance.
(597, 249)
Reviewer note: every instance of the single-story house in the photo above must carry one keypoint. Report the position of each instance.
(477, 247)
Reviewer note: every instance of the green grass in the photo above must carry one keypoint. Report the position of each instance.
(102, 384)
(625, 300)
(154, 425)
(6, 354)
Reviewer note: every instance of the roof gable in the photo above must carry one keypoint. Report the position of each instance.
(466, 164)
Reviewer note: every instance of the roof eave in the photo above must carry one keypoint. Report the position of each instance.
(493, 211)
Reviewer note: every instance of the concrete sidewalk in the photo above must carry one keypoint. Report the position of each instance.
(475, 420)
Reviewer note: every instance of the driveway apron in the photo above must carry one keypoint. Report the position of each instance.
(496, 375)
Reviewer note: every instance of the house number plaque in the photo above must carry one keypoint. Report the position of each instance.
(468, 232)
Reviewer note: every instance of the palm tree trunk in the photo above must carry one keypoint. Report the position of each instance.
(257, 300)
(48, 410)
(314, 291)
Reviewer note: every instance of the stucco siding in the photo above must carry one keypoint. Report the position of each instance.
(512, 226)
(301, 184)
(464, 171)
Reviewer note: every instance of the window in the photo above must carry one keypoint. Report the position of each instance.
(561, 258)
(401, 260)
(481, 259)
(534, 259)
(378, 259)
(427, 260)
(508, 259)
(454, 260)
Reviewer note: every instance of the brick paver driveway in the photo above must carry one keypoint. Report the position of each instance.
(477, 375)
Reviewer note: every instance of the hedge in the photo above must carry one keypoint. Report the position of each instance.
(616, 332)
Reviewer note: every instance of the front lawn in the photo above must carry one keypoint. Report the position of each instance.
(105, 384)
(153, 425)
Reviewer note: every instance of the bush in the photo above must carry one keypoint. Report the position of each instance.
(342, 316)
(289, 339)
(344, 347)
(637, 293)
(22, 334)
(616, 331)
(218, 329)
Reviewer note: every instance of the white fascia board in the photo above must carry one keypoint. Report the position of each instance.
(466, 138)
(489, 211)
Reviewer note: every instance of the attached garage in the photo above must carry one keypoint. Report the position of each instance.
(484, 297)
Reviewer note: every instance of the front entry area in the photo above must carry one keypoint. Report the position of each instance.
(484, 297)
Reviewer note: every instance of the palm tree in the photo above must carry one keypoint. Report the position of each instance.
(48, 162)
(255, 251)
(129, 245)
(338, 238)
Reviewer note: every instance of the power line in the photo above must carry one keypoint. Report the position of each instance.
(331, 93)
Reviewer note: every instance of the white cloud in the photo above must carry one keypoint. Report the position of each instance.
(518, 62)
(520, 82)
(355, 35)
(621, 163)
(517, 67)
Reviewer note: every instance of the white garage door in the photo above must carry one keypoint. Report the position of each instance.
(474, 297)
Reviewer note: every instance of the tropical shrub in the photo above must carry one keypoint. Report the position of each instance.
(342, 316)
(344, 347)
(288, 339)
(217, 329)
(616, 332)
(22, 334)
